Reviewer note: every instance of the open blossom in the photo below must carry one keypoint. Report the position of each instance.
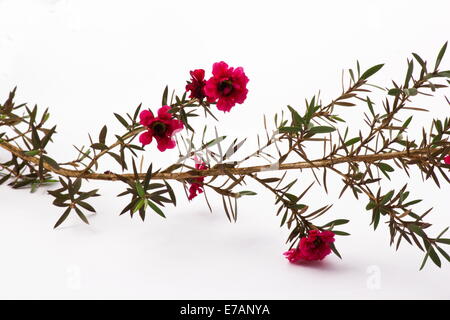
(227, 86)
(447, 159)
(197, 84)
(315, 246)
(162, 128)
(196, 187)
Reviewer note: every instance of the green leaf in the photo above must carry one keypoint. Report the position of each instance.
(140, 189)
(337, 222)
(370, 105)
(384, 167)
(335, 251)
(62, 218)
(50, 161)
(412, 202)
(35, 138)
(321, 129)
(297, 120)
(99, 146)
(417, 230)
(387, 197)
(376, 218)
(395, 92)
(298, 206)
(407, 122)
(139, 205)
(337, 118)
(409, 73)
(434, 257)
(370, 205)
(4, 179)
(148, 176)
(289, 129)
(77, 185)
(156, 208)
(102, 135)
(444, 241)
(419, 60)
(440, 56)
(370, 72)
(121, 120)
(445, 74)
(171, 193)
(31, 153)
(81, 216)
(164, 97)
(86, 205)
(247, 193)
(444, 254)
(424, 261)
(47, 137)
(340, 233)
(352, 141)
(410, 91)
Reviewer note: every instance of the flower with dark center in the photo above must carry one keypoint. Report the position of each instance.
(315, 246)
(197, 84)
(227, 86)
(162, 128)
(159, 129)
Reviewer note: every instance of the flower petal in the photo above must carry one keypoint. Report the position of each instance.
(146, 116)
(145, 138)
(163, 113)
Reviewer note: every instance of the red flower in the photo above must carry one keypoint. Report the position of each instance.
(447, 159)
(293, 255)
(196, 187)
(228, 86)
(197, 84)
(162, 128)
(315, 246)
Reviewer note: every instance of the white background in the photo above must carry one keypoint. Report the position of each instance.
(88, 59)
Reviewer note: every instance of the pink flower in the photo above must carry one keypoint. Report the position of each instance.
(197, 84)
(196, 187)
(194, 190)
(315, 246)
(293, 255)
(447, 159)
(162, 128)
(227, 85)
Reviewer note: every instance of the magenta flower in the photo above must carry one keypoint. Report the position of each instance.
(196, 187)
(197, 84)
(162, 128)
(447, 159)
(293, 255)
(227, 86)
(315, 246)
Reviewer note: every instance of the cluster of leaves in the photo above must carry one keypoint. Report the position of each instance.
(34, 137)
(70, 196)
(21, 175)
(124, 141)
(145, 194)
(317, 123)
(397, 207)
